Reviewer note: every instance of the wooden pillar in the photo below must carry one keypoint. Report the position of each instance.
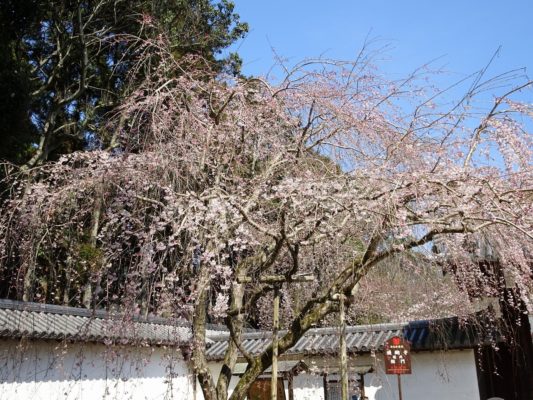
(399, 386)
(343, 350)
(290, 386)
(275, 329)
(194, 387)
(362, 385)
(326, 386)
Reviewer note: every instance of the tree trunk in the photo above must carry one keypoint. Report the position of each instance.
(297, 329)
(199, 325)
(95, 225)
(237, 322)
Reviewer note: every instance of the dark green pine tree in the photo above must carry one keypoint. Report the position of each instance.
(66, 64)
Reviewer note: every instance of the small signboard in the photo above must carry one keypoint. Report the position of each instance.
(397, 356)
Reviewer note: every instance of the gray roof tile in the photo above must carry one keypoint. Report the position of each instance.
(423, 335)
(32, 320)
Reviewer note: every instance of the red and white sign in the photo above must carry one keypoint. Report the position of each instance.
(397, 356)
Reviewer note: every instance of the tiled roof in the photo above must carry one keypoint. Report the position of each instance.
(38, 321)
(423, 335)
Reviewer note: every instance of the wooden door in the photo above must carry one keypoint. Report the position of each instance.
(260, 390)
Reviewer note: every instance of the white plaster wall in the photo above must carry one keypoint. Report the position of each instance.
(308, 387)
(46, 370)
(435, 376)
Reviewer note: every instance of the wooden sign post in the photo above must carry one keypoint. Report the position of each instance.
(397, 359)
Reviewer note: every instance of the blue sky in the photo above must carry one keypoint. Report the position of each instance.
(464, 34)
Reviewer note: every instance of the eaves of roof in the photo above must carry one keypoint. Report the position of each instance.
(38, 321)
(444, 334)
